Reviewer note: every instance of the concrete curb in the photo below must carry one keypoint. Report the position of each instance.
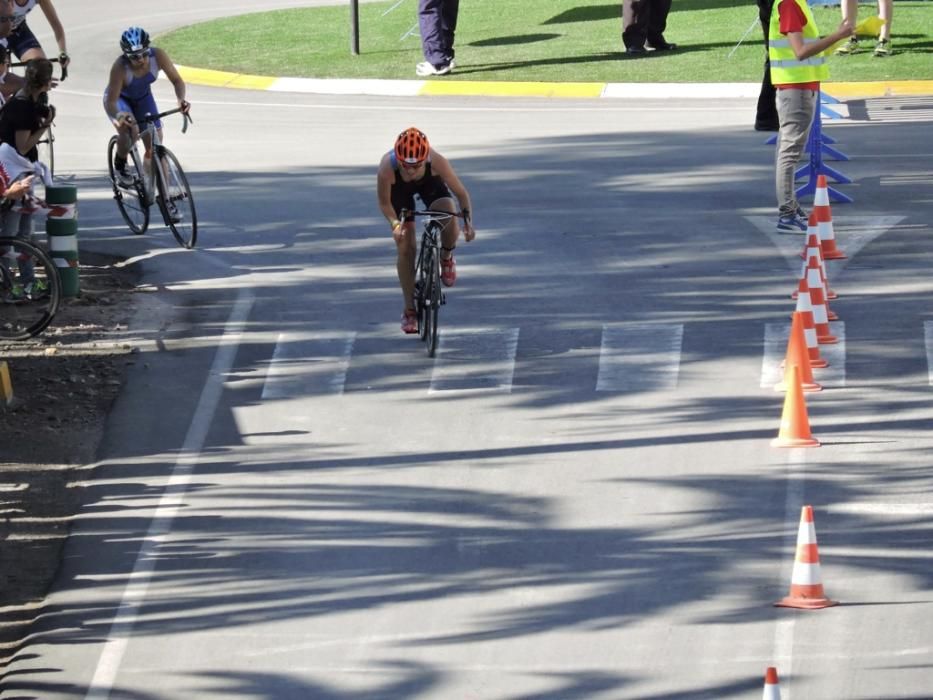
(412, 88)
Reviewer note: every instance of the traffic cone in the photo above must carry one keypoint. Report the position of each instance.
(795, 424)
(818, 301)
(824, 216)
(806, 585)
(809, 327)
(797, 356)
(810, 250)
(772, 689)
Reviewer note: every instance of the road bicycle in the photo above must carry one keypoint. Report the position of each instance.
(160, 180)
(429, 294)
(46, 145)
(30, 290)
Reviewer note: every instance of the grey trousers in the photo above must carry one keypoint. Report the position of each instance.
(795, 111)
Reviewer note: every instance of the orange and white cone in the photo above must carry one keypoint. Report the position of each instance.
(818, 301)
(795, 424)
(806, 585)
(772, 688)
(824, 216)
(797, 356)
(809, 327)
(813, 249)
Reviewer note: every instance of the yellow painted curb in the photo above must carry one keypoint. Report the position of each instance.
(881, 88)
(508, 89)
(220, 78)
(6, 385)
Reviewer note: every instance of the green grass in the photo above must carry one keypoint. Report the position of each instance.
(539, 40)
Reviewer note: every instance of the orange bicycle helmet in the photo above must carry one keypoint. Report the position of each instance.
(412, 146)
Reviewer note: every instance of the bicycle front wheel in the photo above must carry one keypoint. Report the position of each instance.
(176, 201)
(130, 198)
(433, 297)
(30, 290)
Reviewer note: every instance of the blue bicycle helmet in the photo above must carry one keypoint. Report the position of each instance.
(134, 39)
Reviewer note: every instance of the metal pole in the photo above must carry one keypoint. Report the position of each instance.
(355, 27)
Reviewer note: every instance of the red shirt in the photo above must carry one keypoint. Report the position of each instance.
(792, 19)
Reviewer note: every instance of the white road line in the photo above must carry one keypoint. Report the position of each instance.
(134, 594)
(303, 366)
(475, 359)
(639, 357)
(928, 342)
(775, 348)
(793, 502)
(906, 510)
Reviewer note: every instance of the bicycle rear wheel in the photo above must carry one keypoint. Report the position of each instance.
(131, 199)
(433, 296)
(176, 201)
(30, 290)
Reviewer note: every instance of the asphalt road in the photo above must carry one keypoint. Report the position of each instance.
(577, 498)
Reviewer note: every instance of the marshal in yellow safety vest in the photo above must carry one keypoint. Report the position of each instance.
(786, 68)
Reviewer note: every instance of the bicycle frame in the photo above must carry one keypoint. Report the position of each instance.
(429, 295)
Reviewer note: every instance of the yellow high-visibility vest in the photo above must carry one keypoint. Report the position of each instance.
(785, 67)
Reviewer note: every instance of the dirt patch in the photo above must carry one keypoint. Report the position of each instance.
(64, 383)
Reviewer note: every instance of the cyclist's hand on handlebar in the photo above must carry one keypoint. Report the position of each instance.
(469, 233)
(184, 106)
(125, 119)
(64, 59)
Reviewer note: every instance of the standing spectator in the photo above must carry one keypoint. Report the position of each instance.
(437, 20)
(766, 116)
(883, 47)
(643, 24)
(798, 64)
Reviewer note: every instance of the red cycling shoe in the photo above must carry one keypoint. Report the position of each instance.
(448, 271)
(409, 321)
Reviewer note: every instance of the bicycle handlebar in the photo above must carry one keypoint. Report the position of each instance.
(150, 118)
(60, 59)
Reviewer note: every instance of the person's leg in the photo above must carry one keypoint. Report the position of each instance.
(634, 14)
(849, 10)
(24, 232)
(795, 111)
(885, 11)
(449, 237)
(405, 264)
(449, 11)
(657, 23)
(430, 22)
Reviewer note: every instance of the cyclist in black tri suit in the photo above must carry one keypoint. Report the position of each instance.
(411, 168)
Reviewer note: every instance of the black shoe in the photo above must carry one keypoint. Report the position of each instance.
(662, 46)
(636, 51)
(767, 126)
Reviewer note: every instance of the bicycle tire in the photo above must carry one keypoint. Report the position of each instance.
(421, 298)
(131, 201)
(23, 316)
(434, 297)
(174, 189)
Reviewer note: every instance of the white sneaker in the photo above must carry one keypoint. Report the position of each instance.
(125, 179)
(424, 69)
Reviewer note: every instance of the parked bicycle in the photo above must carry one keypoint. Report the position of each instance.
(46, 144)
(161, 181)
(30, 290)
(429, 294)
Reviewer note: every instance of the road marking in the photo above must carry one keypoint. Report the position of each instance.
(928, 342)
(893, 509)
(775, 348)
(134, 595)
(475, 359)
(302, 366)
(639, 357)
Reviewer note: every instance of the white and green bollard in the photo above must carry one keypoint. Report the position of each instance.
(62, 230)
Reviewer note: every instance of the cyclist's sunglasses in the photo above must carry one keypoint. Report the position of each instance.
(137, 55)
(7, 18)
